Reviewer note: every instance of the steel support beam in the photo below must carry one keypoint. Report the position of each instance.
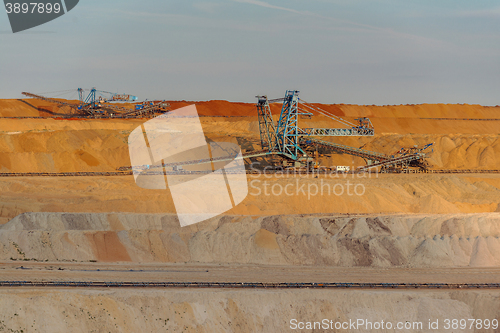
(266, 124)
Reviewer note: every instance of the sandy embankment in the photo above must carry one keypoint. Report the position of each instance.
(232, 311)
(465, 136)
(105, 149)
(323, 240)
(434, 194)
(454, 240)
(50, 145)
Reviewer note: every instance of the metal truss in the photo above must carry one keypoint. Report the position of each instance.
(266, 124)
(285, 137)
(288, 132)
(355, 131)
(369, 156)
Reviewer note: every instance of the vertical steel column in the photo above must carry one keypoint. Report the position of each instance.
(266, 124)
(287, 133)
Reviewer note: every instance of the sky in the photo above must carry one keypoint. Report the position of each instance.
(333, 51)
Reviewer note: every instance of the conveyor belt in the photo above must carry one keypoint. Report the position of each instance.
(246, 285)
(343, 149)
(396, 160)
(291, 172)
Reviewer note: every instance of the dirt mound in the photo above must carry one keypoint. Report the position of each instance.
(63, 151)
(456, 240)
(219, 108)
(17, 108)
(37, 108)
(464, 111)
(389, 193)
(34, 108)
(29, 107)
(207, 311)
(49, 145)
(451, 151)
(101, 145)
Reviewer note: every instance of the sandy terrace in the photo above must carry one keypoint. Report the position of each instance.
(139, 272)
(270, 311)
(467, 193)
(414, 228)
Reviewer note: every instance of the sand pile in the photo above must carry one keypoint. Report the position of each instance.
(28, 107)
(83, 145)
(230, 311)
(453, 240)
(17, 108)
(451, 151)
(101, 145)
(448, 151)
(104, 150)
(63, 151)
(428, 118)
(389, 193)
(469, 111)
(219, 108)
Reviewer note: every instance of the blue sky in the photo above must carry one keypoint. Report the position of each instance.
(338, 51)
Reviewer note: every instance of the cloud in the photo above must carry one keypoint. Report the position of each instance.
(207, 7)
(268, 5)
(484, 13)
(333, 23)
(344, 24)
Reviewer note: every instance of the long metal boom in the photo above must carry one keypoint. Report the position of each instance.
(327, 114)
(52, 100)
(366, 154)
(354, 131)
(393, 161)
(232, 157)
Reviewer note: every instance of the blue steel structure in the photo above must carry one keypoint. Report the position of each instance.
(287, 131)
(97, 104)
(90, 102)
(266, 123)
(96, 97)
(285, 138)
(288, 140)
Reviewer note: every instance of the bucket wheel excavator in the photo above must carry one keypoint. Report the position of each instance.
(294, 144)
(101, 104)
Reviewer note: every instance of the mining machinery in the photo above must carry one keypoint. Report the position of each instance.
(294, 146)
(100, 104)
(292, 143)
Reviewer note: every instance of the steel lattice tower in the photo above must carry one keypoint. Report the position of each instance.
(287, 133)
(266, 124)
